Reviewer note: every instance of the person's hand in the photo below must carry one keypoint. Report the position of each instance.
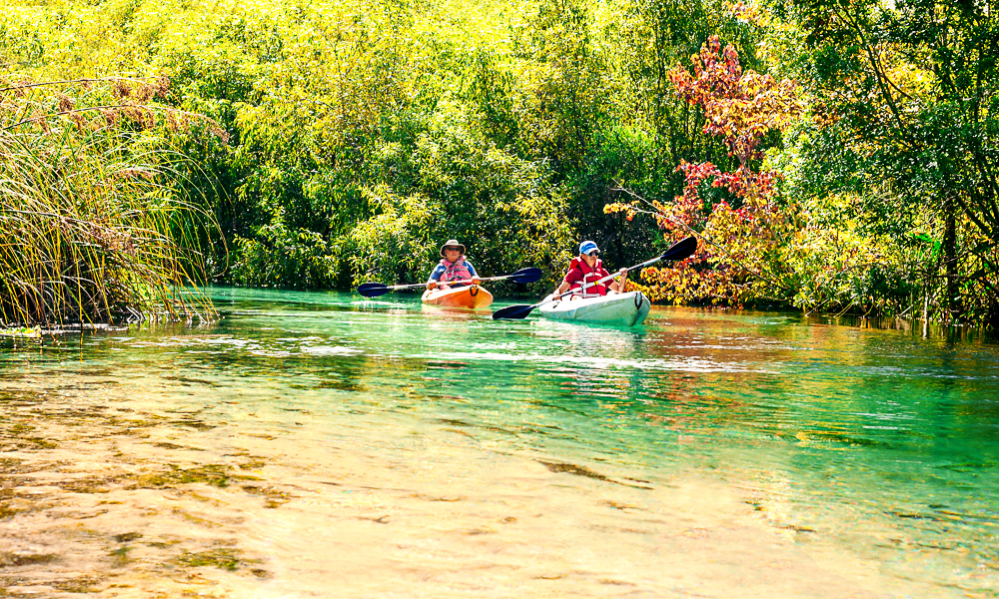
(432, 285)
(475, 280)
(622, 282)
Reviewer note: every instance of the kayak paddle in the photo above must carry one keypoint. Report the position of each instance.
(524, 275)
(680, 250)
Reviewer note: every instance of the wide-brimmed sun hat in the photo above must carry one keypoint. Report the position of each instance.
(452, 243)
(588, 246)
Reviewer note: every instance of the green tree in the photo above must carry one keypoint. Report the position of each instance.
(905, 94)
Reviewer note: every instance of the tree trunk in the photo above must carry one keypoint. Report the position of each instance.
(952, 301)
(992, 318)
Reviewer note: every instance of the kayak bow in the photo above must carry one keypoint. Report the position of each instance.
(471, 297)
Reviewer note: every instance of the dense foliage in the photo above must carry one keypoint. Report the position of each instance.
(841, 155)
(364, 133)
(905, 94)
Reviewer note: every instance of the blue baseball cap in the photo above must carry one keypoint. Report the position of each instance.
(588, 246)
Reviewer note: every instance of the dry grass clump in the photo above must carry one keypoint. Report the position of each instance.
(92, 226)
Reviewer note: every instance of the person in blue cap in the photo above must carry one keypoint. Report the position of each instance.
(587, 268)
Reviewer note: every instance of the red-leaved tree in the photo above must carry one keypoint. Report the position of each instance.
(743, 234)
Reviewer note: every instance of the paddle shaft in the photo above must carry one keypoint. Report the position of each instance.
(461, 282)
(525, 275)
(529, 275)
(416, 285)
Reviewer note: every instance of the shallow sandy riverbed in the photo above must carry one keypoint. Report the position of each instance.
(126, 499)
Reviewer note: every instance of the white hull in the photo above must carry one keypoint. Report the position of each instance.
(626, 309)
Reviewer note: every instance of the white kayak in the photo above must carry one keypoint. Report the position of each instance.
(626, 309)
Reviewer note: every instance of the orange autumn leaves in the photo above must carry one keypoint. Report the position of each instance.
(744, 228)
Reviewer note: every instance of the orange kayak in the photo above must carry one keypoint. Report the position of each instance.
(471, 296)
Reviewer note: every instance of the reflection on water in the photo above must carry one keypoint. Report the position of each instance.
(315, 437)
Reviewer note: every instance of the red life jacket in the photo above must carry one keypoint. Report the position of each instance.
(588, 275)
(456, 271)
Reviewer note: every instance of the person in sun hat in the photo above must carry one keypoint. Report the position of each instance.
(587, 268)
(452, 267)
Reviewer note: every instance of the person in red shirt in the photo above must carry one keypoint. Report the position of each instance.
(587, 268)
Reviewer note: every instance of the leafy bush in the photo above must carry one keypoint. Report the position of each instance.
(279, 256)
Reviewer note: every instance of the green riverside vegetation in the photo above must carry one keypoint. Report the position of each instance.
(92, 227)
(353, 137)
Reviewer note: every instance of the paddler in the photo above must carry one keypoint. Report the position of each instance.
(452, 267)
(587, 268)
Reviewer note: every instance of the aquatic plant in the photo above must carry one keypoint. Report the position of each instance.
(93, 224)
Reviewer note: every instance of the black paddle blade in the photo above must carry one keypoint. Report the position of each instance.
(527, 275)
(681, 250)
(512, 312)
(372, 289)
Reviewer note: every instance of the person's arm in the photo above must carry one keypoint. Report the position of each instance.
(571, 277)
(471, 271)
(435, 276)
(621, 283)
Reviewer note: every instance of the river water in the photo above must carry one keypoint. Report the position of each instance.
(320, 445)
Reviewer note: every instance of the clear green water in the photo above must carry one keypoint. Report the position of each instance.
(839, 449)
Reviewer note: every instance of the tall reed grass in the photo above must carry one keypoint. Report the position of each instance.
(93, 227)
